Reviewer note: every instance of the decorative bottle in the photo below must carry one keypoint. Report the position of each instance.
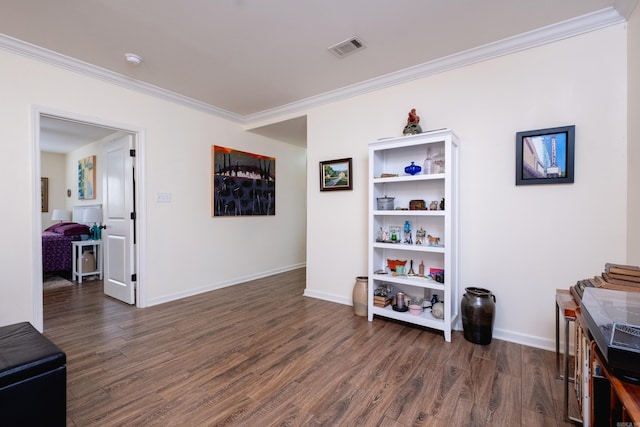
(438, 163)
(427, 168)
(412, 169)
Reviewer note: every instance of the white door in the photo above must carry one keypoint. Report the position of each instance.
(118, 211)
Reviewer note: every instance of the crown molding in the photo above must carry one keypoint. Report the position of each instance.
(552, 33)
(59, 60)
(625, 7)
(570, 28)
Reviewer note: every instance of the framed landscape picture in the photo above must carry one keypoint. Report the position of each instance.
(336, 175)
(545, 156)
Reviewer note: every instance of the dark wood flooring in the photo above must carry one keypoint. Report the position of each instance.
(261, 354)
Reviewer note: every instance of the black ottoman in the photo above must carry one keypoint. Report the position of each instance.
(33, 378)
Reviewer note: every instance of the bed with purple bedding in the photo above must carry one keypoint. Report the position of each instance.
(56, 245)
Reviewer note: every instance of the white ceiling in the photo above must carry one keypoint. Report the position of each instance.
(248, 60)
(63, 136)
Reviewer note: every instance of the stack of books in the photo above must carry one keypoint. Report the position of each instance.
(615, 276)
(381, 301)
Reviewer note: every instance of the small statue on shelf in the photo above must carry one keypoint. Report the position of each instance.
(420, 236)
(413, 124)
(407, 233)
(411, 272)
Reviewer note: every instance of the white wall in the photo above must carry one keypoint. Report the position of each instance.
(633, 180)
(520, 242)
(62, 170)
(52, 166)
(187, 250)
(71, 173)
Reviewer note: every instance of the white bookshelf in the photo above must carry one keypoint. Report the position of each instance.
(391, 156)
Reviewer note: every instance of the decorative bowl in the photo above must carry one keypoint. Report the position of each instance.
(393, 263)
(415, 309)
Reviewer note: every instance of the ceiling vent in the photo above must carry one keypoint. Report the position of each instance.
(347, 47)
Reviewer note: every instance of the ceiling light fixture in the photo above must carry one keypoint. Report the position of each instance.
(132, 58)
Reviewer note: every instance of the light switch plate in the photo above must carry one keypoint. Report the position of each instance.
(163, 197)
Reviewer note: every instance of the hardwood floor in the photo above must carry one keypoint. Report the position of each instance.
(261, 354)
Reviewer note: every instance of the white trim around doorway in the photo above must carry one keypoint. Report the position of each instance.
(141, 207)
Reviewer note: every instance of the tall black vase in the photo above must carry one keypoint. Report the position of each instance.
(478, 312)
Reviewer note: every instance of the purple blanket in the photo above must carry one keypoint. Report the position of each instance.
(56, 245)
(56, 251)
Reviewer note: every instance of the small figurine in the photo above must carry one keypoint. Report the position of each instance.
(413, 124)
(411, 272)
(433, 241)
(420, 235)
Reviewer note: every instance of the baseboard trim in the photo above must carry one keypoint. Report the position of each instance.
(212, 287)
(524, 339)
(327, 297)
(500, 334)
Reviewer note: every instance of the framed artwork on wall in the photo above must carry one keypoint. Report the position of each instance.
(44, 194)
(336, 175)
(545, 156)
(87, 178)
(243, 184)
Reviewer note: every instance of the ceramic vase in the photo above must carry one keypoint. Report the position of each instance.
(360, 296)
(478, 313)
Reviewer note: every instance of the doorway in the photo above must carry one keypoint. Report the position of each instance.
(42, 118)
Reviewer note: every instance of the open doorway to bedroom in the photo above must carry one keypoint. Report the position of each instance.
(75, 159)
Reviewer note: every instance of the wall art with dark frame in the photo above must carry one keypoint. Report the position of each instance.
(243, 184)
(336, 175)
(545, 156)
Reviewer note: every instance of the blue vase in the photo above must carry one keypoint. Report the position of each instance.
(412, 169)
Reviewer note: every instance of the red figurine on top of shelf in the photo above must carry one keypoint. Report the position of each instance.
(413, 124)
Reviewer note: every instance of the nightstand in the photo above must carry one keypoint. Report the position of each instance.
(77, 249)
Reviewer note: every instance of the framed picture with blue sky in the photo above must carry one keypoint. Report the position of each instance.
(545, 156)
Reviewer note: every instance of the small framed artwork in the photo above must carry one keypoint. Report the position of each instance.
(44, 194)
(336, 175)
(545, 156)
(87, 178)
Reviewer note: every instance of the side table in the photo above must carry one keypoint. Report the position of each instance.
(566, 307)
(76, 252)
